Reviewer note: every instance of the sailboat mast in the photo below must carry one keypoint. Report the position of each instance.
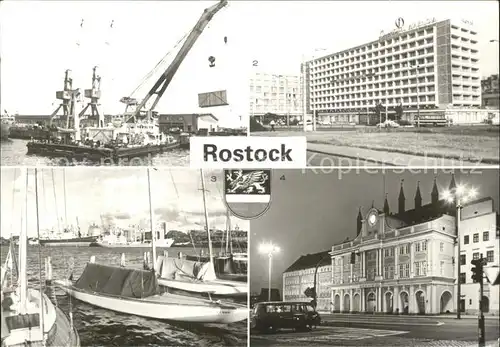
(55, 200)
(39, 256)
(64, 189)
(153, 232)
(229, 235)
(23, 242)
(210, 252)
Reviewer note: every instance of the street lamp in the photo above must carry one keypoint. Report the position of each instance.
(269, 249)
(459, 195)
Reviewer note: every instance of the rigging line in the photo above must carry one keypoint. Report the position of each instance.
(65, 202)
(42, 299)
(13, 203)
(162, 60)
(55, 200)
(173, 181)
(44, 190)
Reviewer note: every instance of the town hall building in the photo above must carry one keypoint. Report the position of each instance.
(404, 262)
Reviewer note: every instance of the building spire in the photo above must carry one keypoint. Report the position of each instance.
(359, 222)
(401, 199)
(435, 193)
(418, 197)
(386, 205)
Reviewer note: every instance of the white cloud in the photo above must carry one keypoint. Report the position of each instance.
(113, 195)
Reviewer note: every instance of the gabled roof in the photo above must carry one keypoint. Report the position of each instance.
(310, 261)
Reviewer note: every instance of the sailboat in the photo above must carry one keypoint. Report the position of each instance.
(137, 292)
(231, 265)
(196, 276)
(28, 316)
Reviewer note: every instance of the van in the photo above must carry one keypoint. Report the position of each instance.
(275, 315)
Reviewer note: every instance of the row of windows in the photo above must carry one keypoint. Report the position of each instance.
(388, 46)
(475, 237)
(392, 61)
(395, 70)
(489, 257)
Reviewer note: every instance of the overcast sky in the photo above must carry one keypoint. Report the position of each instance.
(120, 196)
(39, 41)
(311, 211)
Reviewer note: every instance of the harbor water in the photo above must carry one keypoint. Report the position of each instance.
(14, 151)
(99, 327)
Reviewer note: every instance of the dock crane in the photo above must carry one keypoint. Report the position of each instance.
(162, 83)
(94, 94)
(67, 100)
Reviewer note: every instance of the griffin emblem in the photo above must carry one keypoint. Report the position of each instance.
(247, 192)
(246, 183)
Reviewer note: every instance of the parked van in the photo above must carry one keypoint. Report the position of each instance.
(276, 315)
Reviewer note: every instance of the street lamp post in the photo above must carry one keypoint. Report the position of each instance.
(269, 249)
(315, 292)
(459, 195)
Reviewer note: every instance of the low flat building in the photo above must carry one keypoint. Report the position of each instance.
(191, 122)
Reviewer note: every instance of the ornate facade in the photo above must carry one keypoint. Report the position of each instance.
(404, 262)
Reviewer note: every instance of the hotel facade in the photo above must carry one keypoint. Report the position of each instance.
(427, 68)
(404, 262)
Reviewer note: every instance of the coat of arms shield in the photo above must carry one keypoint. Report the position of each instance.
(247, 193)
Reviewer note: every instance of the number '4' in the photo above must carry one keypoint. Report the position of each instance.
(282, 178)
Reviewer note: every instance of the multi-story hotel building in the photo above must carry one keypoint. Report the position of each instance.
(430, 66)
(277, 94)
(404, 262)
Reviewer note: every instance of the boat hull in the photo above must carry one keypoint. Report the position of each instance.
(164, 307)
(4, 131)
(75, 242)
(100, 154)
(216, 287)
(142, 246)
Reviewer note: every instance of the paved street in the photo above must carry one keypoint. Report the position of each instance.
(320, 154)
(357, 330)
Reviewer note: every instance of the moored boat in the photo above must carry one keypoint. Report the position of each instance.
(84, 241)
(6, 123)
(28, 316)
(137, 292)
(198, 276)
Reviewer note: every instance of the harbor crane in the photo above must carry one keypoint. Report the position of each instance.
(159, 88)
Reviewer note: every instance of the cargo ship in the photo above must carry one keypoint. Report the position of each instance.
(30, 132)
(69, 237)
(84, 241)
(5, 125)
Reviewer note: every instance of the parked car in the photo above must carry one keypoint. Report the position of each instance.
(388, 124)
(275, 315)
(308, 122)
